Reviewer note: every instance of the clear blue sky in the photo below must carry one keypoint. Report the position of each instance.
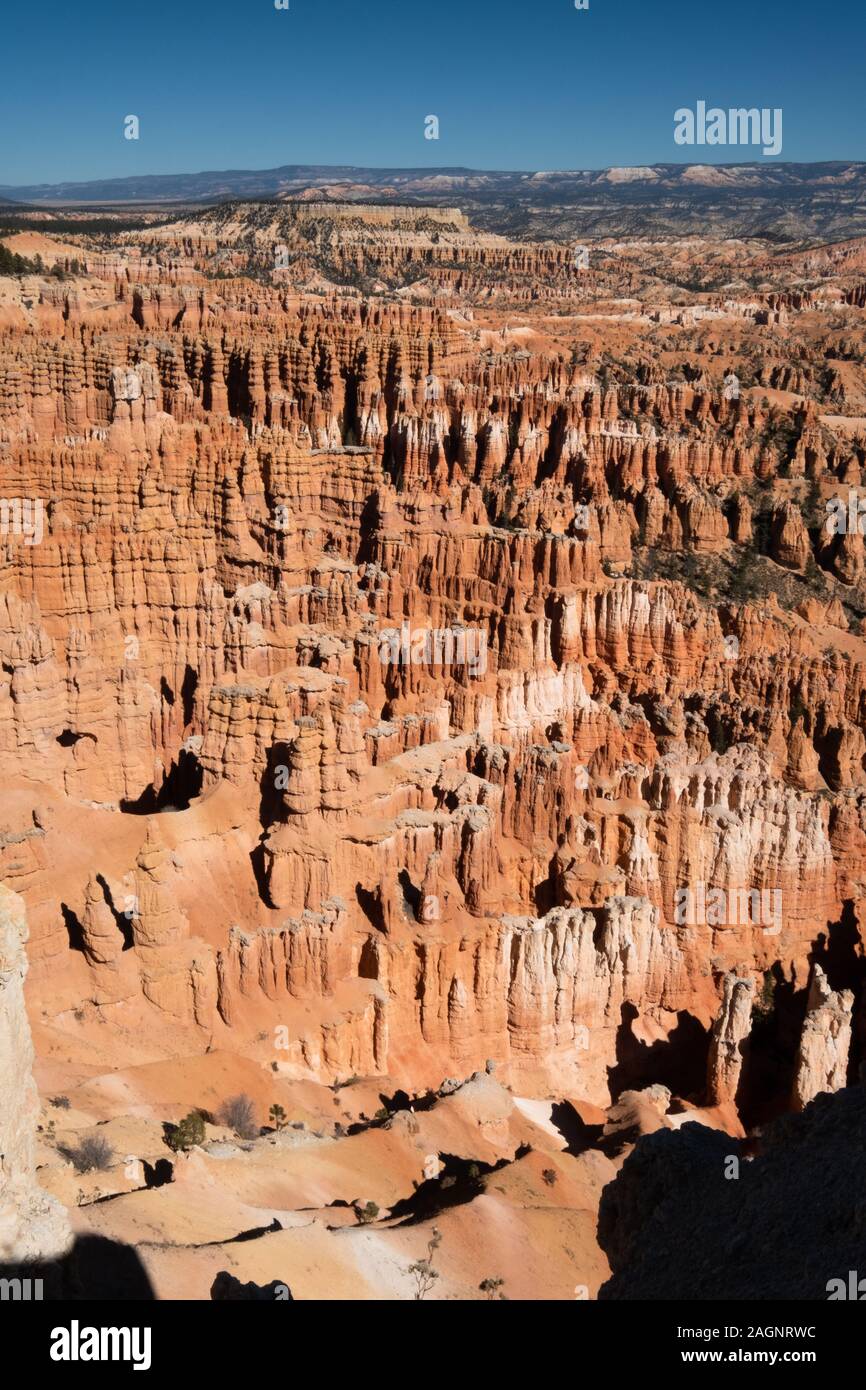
(526, 84)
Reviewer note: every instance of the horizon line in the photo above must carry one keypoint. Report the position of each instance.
(433, 169)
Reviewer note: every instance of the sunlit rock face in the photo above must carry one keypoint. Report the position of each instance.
(427, 673)
(33, 1225)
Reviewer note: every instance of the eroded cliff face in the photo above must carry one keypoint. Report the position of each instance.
(379, 698)
(33, 1225)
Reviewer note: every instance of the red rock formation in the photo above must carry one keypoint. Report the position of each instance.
(441, 668)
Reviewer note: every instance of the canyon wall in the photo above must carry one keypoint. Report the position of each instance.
(382, 701)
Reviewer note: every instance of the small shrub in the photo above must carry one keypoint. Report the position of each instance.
(94, 1152)
(188, 1133)
(238, 1113)
(549, 1176)
(422, 1271)
(765, 1000)
(492, 1288)
(60, 1102)
(278, 1117)
(366, 1213)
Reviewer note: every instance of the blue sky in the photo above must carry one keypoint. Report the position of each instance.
(516, 84)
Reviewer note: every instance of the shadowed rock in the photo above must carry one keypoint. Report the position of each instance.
(227, 1289)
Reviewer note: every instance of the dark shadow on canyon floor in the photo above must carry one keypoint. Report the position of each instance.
(95, 1269)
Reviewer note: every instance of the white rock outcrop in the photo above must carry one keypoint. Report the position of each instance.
(33, 1225)
(822, 1061)
(729, 1034)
